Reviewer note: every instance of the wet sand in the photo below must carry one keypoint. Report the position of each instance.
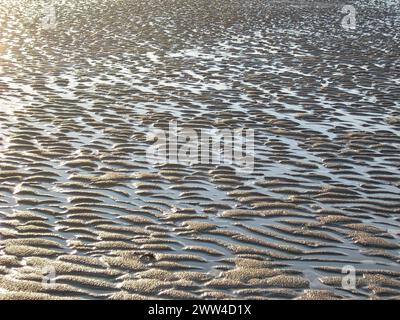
(79, 200)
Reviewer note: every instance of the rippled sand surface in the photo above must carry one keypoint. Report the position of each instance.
(78, 197)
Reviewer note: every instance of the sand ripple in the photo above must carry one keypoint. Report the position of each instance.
(77, 194)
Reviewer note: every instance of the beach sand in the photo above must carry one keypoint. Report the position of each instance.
(84, 215)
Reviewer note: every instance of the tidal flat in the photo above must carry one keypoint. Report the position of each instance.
(85, 215)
